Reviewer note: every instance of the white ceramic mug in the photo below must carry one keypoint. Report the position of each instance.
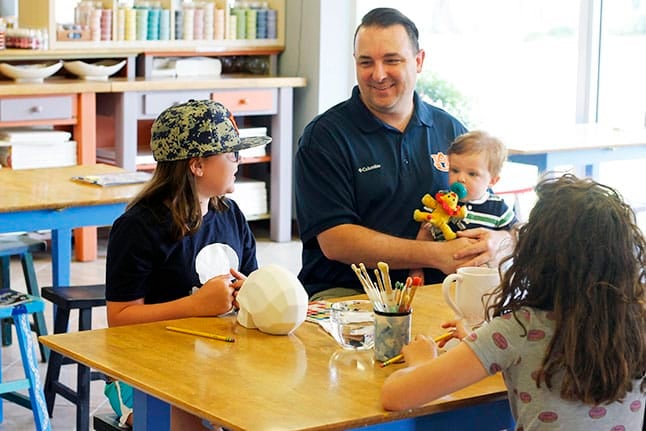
(471, 284)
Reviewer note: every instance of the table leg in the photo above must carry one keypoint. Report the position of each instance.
(150, 413)
(61, 256)
(85, 244)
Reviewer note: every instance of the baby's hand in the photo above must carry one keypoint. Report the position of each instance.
(421, 349)
(215, 296)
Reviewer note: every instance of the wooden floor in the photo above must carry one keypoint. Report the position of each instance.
(18, 418)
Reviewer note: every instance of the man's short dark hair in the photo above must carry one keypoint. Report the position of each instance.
(386, 17)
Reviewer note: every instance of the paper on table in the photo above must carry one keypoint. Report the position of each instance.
(319, 312)
(116, 179)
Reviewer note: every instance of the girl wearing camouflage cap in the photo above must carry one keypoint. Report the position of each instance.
(182, 248)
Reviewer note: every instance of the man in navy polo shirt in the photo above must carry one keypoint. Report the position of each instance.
(362, 167)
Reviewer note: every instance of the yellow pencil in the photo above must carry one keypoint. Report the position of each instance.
(400, 356)
(201, 334)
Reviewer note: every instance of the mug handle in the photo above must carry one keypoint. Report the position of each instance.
(446, 291)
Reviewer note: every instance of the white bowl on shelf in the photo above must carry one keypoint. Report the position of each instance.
(100, 70)
(30, 72)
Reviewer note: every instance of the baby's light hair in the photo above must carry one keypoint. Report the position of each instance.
(477, 142)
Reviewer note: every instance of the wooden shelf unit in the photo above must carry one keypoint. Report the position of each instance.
(135, 97)
(124, 117)
(42, 14)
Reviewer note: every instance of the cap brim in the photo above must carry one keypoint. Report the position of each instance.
(252, 141)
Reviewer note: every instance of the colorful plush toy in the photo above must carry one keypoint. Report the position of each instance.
(442, 209)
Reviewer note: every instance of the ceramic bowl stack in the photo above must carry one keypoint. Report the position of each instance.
(30, 73)
(100, 70)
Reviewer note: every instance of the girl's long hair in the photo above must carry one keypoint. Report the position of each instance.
(581, 256)
(173, 185)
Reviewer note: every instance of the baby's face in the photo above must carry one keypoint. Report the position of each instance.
(471, 170)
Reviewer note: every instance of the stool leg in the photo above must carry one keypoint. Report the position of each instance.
(53, 373)
(5, 283)
(1, 403)
(31, 282)
(5, 275)
(55, 360)
(6, 331)
(30, 365)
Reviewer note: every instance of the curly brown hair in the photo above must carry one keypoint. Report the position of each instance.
(582, 256)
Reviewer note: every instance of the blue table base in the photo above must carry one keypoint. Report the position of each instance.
(492, 416)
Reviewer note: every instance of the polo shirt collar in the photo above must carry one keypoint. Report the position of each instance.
(423, 112)
(368, 123)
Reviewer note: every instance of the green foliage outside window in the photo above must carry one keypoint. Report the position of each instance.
(445, 95)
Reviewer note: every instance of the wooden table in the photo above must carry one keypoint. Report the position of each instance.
(47, 198)
(303, 381)
(583, 146)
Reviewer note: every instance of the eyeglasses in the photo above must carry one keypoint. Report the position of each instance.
(233, 157)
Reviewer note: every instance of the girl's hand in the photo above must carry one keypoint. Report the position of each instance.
(459, 331)
(236, 283)
(238, 278)
(421, 349)
(215, 297)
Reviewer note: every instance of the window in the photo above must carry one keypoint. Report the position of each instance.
(514, 62)
(521, 65)
(622, 70)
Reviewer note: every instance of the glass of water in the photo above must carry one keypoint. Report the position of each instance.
(353, 324)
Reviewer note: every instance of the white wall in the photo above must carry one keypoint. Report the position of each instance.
(318, 46)
(8, 7)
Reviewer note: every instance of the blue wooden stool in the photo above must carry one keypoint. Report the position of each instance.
(36, 400)
(66, 299)
(22, 246)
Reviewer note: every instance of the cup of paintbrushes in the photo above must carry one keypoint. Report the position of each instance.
(392, 332)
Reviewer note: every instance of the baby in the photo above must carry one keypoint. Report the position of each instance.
(475, 161)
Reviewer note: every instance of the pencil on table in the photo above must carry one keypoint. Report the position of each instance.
(391, 360)
(201, 334)
(443, 337)
(401, 356)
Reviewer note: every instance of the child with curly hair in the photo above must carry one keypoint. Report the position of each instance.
(568, 329)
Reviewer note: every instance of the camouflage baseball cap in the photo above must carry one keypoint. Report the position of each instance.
(197, 128)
